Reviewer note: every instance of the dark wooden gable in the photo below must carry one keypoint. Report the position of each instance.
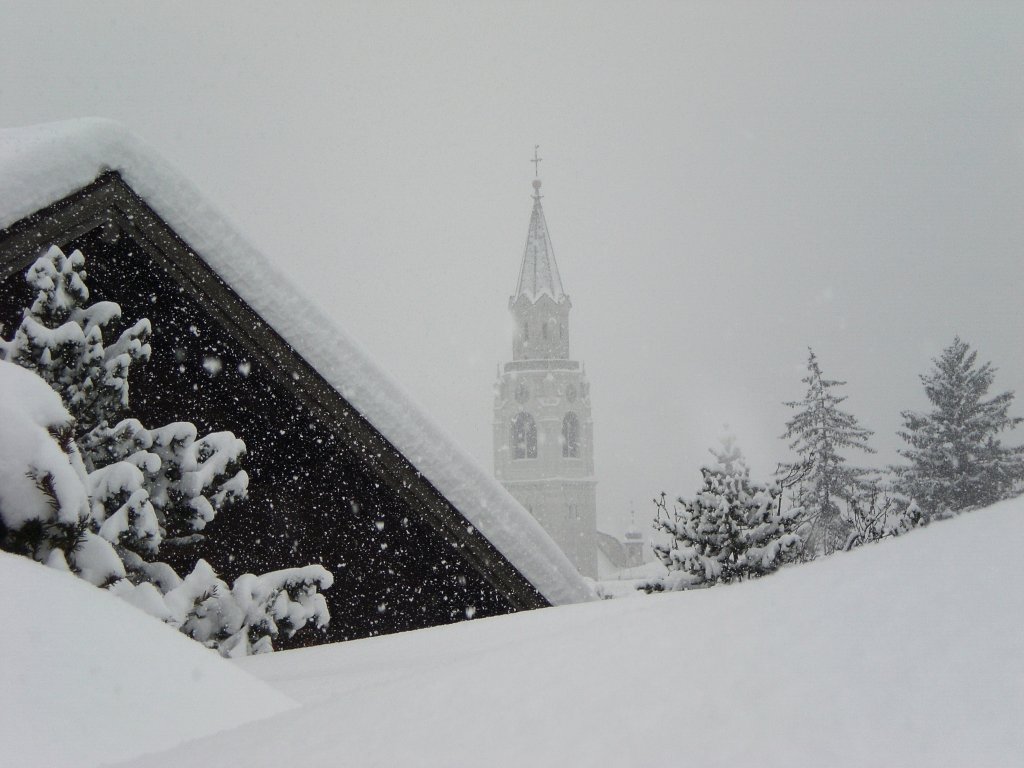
(325, 486)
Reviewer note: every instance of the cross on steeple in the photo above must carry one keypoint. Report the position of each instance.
(536, 160)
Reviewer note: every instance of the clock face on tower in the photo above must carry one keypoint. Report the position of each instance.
(570, 393)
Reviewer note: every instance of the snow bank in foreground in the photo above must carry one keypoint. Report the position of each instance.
(87, 679)
(42, 164)
(905, 653)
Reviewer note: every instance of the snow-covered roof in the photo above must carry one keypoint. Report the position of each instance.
(538, 276)
(40, 165)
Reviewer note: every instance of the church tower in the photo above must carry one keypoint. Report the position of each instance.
(543, 433)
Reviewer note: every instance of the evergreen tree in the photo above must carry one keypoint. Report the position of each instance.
(131, 489)
(61, 338)
(186, 479)
(818, 432)
(731, 531)
(956, 458)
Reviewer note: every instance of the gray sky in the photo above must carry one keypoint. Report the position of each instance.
(724, 184)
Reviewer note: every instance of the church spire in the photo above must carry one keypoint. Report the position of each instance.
(543, 432)
(538, 274)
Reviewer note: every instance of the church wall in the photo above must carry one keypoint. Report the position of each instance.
(566, 509)
(545, 396)
(559, 491)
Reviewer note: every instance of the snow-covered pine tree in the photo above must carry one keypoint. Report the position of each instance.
(61, 338)
(732, 530)
(956, 457)
(818, 431)
(187, 479)
(115, 491)
(44, 502)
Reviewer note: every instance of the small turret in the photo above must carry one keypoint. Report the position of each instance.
(634, 543)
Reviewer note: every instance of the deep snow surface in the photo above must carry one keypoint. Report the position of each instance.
(85, 678)
(909, 652)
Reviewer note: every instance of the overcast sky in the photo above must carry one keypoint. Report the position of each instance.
(724, 185)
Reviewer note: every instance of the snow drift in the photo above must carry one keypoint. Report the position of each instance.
(86, 678)
(904, 653)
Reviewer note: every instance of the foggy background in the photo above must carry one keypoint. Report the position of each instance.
(724, 185)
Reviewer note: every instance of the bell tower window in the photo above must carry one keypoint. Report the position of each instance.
(571, 436)
(524, 437)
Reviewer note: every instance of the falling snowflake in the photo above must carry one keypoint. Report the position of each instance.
(213, 365)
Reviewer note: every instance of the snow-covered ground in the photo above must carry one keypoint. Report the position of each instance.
(85, 678)
(908, 652)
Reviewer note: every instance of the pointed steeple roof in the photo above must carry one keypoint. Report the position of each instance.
(539, 273)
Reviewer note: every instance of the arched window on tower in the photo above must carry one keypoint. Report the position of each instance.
(524, 437)
(571, 436)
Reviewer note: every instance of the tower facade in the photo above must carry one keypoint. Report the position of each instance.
(543, 432)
